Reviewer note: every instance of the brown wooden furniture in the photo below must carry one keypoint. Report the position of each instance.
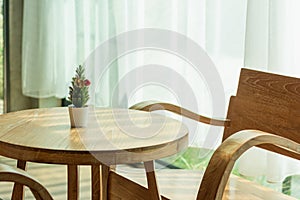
(113, 136)
(265, 102)
(10, 174)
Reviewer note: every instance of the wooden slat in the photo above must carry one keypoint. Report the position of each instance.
(268, 86)
(262, 116)
(266, 102)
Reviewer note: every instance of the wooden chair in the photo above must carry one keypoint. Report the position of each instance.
(10, 174)
(265, 103)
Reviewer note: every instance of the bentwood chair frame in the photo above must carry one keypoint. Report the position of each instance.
(17, 176)
(265, 112)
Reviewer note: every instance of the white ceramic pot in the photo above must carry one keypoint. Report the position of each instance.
(78, 116)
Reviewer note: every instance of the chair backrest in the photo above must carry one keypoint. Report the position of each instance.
(266, 102)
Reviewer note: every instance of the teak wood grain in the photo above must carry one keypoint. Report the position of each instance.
(265, 102)
(113, 136)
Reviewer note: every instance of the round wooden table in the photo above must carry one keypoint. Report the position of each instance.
(112, 136)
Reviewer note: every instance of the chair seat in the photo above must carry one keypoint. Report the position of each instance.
(184, 184)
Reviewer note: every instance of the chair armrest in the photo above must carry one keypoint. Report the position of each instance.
(220, 166)
(10, 174)
(155, 105)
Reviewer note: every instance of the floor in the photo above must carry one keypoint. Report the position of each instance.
(53, 177)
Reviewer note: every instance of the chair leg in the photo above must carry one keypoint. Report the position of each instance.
(151, 180)
(104, 181)
(9, 174)
(18, 190)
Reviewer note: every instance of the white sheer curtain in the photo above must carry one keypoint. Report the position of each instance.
(272, 43)
(272, 36)
(59, 35)
(260, 34)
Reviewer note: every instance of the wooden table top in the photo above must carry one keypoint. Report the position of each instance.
(113, 136)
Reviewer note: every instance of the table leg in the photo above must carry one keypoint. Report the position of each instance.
(18, 190)
(104, 181)
(151, 180)
(95, 182)
(73, 182)
(99, 182)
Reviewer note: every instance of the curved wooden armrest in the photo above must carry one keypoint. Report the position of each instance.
(155, 105)
(11, 174)
(219, 168)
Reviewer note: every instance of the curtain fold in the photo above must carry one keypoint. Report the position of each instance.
(47, 54)
(57, 37)
(272, 41)
(272, 44)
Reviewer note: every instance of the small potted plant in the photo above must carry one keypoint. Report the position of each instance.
(79, 96)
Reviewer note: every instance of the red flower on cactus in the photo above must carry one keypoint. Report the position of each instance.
(87, 82)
